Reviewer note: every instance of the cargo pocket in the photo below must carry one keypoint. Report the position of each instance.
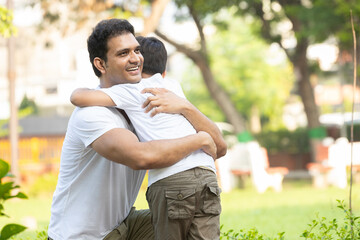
(211, 198)
(180, 203)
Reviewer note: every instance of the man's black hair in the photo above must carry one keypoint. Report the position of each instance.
(103, 31)
(154, 53)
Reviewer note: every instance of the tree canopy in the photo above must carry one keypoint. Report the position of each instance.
(293, 25)
(302, 23)
(242, 64)
(6, 27)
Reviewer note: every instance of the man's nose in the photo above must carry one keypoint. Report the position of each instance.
(134, 57)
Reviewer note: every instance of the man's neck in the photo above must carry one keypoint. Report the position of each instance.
(104, 84)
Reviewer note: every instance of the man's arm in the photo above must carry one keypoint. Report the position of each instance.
(164, 101)
(122, 146)
(85, 97)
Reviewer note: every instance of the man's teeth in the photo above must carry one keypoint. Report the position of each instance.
(133, 69)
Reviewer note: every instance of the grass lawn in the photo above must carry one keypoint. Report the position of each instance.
(289, 211)
(34, 212)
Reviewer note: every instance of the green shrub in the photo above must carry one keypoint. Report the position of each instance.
(43, 185)
(40, 235)
(252, 234)
(318, 229)
(356, 132)
(6, 189)
(285, 141)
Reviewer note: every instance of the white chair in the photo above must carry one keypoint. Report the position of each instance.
(331, 168)
(234, 167)
(262, 175)
(338, 155)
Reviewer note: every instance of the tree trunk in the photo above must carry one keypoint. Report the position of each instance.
(151, 22)
(255, 122)
(304, 86)
(306, 92)
(14, 135)
(221, 97)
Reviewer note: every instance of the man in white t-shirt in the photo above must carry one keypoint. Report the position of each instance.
(100, 170)
(202, 188)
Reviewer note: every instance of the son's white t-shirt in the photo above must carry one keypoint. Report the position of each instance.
(162, 126)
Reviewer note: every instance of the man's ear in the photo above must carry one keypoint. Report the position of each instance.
(100, 65)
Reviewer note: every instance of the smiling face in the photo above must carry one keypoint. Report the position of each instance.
(124, 61)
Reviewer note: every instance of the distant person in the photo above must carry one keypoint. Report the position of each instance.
(184, 199)
(99, 175)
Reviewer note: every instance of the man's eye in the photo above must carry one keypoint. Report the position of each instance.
(137, 50)
(123, 54)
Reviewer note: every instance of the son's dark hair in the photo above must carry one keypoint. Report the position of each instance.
(154, 53)
(103, 31)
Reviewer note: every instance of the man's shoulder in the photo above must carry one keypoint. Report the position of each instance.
(88, 123)
(95, 111)
(97, 114)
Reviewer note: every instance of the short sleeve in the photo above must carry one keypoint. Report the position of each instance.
(125, 96)
(89, 123)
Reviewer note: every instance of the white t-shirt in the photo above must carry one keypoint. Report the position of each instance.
(161, 126)
(93, 195)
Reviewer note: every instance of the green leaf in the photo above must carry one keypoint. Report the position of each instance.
(11, 230)
(1, 210)
(5, 189)
(21, 195)
(4, 215)
(4, 168)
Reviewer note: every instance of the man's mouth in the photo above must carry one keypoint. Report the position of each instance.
(133, 69)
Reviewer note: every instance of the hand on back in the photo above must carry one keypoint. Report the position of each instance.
(163, 101)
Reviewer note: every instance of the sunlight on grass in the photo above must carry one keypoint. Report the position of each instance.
(33, 213)
(289, 211)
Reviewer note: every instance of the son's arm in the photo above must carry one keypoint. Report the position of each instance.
(165, 101)
(85, 97)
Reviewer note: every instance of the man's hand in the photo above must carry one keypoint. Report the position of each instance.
(163, 101)
(209, 145)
